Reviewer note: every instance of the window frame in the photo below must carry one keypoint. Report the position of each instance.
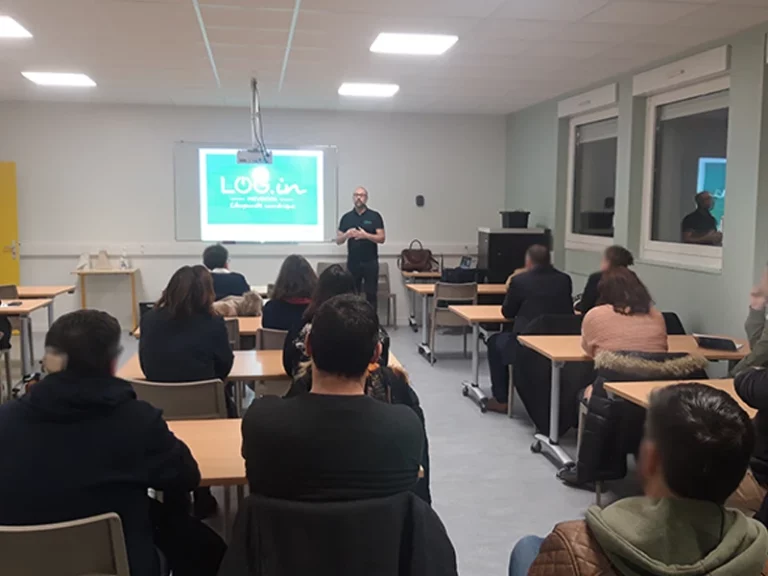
(656, 251)
(574, 241)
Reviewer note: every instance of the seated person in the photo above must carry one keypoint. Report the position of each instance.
(697, 445)
(541, 289)
(334, 280)
(292, 293)
(335, 443)
(79, 443)
(752, 387)
(225, 282)
(181, 339)
(700, 227)
(613, 257)
(756, 327)
(625, 318)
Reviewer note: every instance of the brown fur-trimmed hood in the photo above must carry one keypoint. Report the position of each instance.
(647, 366)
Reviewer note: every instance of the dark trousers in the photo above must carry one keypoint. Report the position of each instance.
(366, 275)
(189, 547)
(501, 353)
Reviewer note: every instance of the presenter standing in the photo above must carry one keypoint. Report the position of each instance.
(363, 228)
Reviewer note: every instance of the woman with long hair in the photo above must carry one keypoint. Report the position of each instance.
(182, 340)
(291, 295)
(613, 257)
(625, 318)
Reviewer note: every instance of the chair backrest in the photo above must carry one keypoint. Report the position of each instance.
(9, 292)
(92, 545)
(202, 400)
(323, 266)
(674, 324)
(449, 293)
(268, 339)
(384, 285)
(233, 332)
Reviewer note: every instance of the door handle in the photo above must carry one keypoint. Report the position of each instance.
(11, 249)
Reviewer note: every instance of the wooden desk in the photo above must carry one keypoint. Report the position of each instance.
(22, 311)
(434, 275)
(45, 292)
(249, 366)
(215, 444)
(476, 315)
(562, 349)
(130, 272)
(640, 392)
(248, 325)
(426, 291)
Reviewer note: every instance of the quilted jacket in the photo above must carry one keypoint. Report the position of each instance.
(571, 550)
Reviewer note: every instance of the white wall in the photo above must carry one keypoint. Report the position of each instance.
(93, 177)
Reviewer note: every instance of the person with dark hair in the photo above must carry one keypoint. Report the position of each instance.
(363, 230)
(292, 294)
(79, 443)
(625, 318)
(700, 227)
(335, 443)
(182, 340)
(334, 280)
(225, 282)
(698, 442)
(541, 289)
(613, 257)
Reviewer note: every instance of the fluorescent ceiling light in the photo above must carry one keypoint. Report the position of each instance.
(59, 79)
(9, 28)
(368, 90)
(416, 44)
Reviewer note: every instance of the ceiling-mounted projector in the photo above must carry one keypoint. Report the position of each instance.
(257, 153)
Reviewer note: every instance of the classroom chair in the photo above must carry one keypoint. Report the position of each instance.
(449, 294)
(385, 293)
(233, 332)
(268, 339)
(203, 400)
(92, 545)
(6, 354)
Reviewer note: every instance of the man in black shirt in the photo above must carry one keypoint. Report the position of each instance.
(225, 282)
(334, 443)
(700, 227)
(364, 228)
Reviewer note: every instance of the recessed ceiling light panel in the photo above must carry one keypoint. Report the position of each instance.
(9, 28)
(368, 90)
(414, 44)
(74, 80)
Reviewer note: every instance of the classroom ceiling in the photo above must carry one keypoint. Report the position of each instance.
(510, 53)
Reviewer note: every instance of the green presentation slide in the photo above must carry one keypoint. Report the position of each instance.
(286, 192)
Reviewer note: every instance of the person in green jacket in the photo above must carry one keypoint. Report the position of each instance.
(697, 445)
(756, 327)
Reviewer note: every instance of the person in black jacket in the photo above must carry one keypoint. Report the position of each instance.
(541, 289)
(613, 257)
(292, 294)
(335, 443)
(181, 339)
(79, 443)
(225, 282)
(752, 387)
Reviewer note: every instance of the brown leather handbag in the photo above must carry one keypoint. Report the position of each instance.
(416, 259)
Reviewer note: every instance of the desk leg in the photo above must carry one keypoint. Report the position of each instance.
(227, 512)
(424, 346)
(134, 304)
(50, 313)
(549, 445)
(472, 388)
(83, 305)
(25, 339)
